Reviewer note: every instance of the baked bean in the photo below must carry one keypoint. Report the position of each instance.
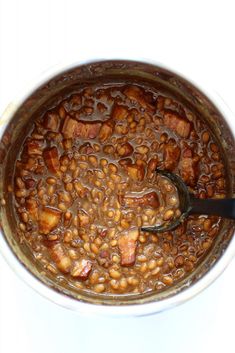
(152, 264)
(94, 248)
(205, 137)
(99, 288)
(123, 283)
(114, 274)
(168, 280)
(25, 217)
(68, 236)
(132, 281)
(116, 259)
(168, 215)
(207, 224)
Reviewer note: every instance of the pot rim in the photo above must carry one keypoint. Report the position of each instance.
(113, 310)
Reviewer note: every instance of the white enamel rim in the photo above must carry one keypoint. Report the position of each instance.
(111, 310)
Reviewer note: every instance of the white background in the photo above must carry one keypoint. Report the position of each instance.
(193, 37)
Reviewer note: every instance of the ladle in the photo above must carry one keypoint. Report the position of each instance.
(188, 204)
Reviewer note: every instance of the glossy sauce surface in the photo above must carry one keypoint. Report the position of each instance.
(85, 183)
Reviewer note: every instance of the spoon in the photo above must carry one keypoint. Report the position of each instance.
(188, 204)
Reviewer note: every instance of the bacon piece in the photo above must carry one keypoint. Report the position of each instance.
(51, 121)
(127, 244)
(136, 172)
(51, 159)
(152, 165)
(160, 102)
(119, 112)
(125, 149)
(87, 130)
(136, 94)
(106, 131)
(48, 219)
(32, 208)
(69, 127)
(177, 123)
(81, 269)
(83, 219)
(188, 167)
(124, 162)
(90, 130)
(34, 147)
(171, 155)
(84, 129)
(149, 199)
(59, 256)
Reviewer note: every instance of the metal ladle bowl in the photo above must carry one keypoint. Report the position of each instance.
(188, 204)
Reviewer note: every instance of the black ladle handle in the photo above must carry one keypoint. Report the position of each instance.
(217, 207)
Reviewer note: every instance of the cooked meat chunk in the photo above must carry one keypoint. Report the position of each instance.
(127, 244)
(84, 129)
(34, 147)
(61, 259)
(119, 112)
(136, 172)
(178, 124)
(81, 269)
(51, 121)
(189, 167)
(48, 219)
(70, 127)
(171, 155)
(149, 199)
(152, 166)
(106, 131)
(136, 94)
(51, 158)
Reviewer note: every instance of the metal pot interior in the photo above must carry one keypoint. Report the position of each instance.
(109, 71)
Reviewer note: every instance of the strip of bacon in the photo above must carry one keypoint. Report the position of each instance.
(106, 130)
(84, 129)
(188, 167)
(177, 123)
(51, 121)
(119, 112)
(127, 244)
(171, 155)
(136, 172)
(48, 219)
(59, 256)
(149, 199)
(81, 269)
(51, 158)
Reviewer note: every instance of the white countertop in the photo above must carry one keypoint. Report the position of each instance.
(195, 38)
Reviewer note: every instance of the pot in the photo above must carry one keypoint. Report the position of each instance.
(16, 122)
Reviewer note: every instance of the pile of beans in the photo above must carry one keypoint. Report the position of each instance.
(85, 184)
